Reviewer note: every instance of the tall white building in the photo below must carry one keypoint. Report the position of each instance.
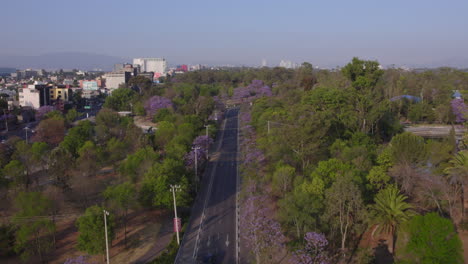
(34, 95)
(115, 79)
(156, 65)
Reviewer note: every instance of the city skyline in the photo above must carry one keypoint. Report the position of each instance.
(242, 33)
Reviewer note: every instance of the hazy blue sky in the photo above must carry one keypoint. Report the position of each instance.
(326, 33)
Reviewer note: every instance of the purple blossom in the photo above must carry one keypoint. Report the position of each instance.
(7, 116)
(261, 233)
(254, 156)
(202, 143)
(190, 158)
(253, 91)
(245, 117)
(43, 110)
(314, 250)
(155, 103)
(459, 109)
(78, 260)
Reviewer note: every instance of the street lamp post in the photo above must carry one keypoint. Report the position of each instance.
(6, 119)
(106, 213)
(26, 129)
(175, 188)
(207, 141)
(195, 149)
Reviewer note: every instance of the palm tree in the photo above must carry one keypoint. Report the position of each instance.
(458, 174)
(390, 211)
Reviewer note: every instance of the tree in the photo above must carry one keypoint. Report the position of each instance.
(261, 233)
(158, 178)
(138, 163)
(156, 103)
(77, 136)
(91, 238)
(407, 148)
(120, 99)
(141, 82)
(51, 131)
(363, 74)
(305, 76)
(457, 174)
(116, 150)
(344, 208)
(378, 178)
(369, 104)
(88, 159)
(460, 110)
(7, 240)
(72, 115)
(123, 196)
(164, 133)
(43, 110)
(40, 154)
(59, 166)
(314, 251)
(34, 235)
(84, 182)
(390, 211)
(283, 178)
(110, 124)
(16, 172)
(433, 239)
(300, 209)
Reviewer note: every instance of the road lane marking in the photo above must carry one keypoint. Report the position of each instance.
(195, 250)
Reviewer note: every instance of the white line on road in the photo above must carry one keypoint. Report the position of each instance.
(237, 241)
(195, 250)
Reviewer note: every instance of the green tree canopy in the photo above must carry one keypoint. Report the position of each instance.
(34, 234)
(91, 238)
(77, 136)
(120, 99)
(407, 148)
(433, 239)
(390, 211)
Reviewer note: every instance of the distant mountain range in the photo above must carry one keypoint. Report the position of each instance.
(90, 61)
(62, 60)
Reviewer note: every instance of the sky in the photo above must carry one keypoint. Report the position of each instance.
(325, 33)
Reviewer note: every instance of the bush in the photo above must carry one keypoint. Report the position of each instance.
(7, 240)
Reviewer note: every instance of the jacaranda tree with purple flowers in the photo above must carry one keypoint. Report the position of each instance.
(460, 110)
(314, 251)
(155, 103)
(43, 110)
(78, 260)
(261, 233)
(202, 144)
(253, 91)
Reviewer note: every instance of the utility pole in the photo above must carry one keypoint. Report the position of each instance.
(6, 119)
(207, 141)
(195, 149)
(175, 188)
(26, 129)
(268, 127)
(106, 213)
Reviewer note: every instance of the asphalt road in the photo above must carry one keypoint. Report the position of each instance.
(212, 225)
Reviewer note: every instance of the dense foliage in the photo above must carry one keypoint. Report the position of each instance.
(324, 162)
